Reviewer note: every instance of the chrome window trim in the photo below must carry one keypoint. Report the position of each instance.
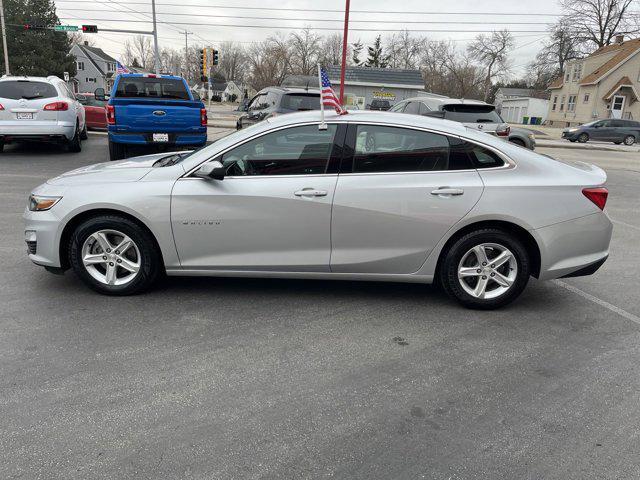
(508, 162)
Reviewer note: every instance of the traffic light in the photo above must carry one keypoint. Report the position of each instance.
(215, 57)
(203, 62)
(89, 29)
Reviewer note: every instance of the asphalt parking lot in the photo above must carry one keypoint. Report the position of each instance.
(239, 378)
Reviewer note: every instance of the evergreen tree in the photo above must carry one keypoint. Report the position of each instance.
(36, 52)
(376, 56)
(356, 51)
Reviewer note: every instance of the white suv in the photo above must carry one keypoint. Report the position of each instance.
(40, 109)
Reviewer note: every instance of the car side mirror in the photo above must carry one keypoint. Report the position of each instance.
(100, 94)
(211, 170)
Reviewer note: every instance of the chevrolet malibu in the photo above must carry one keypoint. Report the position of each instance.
(366, 196)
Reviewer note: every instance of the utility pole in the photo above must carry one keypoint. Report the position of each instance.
(185, 73)
(4, 40)
(155, 37)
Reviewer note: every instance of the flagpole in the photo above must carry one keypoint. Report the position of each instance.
(322, 126)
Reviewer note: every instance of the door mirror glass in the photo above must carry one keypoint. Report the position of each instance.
(214, 170)
(100, 94)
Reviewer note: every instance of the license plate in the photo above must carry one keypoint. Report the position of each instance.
(24, 116)
(160, 137)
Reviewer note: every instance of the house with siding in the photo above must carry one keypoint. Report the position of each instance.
(605, 84)
(94, 69)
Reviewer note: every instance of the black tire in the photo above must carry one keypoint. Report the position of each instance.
(517, 141)
(150, 259)
(1, 147)
(448, 268)
(572, 140)
(117, 151)
(617, 143)
(583, 137)
(74, 144)
(83, 134)
(629, 140)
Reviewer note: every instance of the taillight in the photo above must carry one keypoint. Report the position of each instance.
(597, 195)
(1, 107)
(203, 117)
(504, 132)
(56, 106)
(111, 115)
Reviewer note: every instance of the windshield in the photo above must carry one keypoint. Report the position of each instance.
(152, 87)
(17, 89)
(472, 113)
(301, 101)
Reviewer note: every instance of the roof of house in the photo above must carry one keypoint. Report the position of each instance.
(85, 49)
(100, 53)
(624, 50)
(218, 86)
(378, 76)
(520, 92)
(557, 83)
(623, 82)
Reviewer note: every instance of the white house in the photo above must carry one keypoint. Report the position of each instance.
(94, 69)
(233, 92)
(517, 109)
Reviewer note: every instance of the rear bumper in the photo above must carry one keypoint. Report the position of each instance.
(146, 138)
(47, 131)
(574, 248)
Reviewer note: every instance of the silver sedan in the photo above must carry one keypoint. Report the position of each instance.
(367, 196)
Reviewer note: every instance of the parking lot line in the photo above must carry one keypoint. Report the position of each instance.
(599, 301)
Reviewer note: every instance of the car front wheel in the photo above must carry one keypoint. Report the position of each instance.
(629, 140)
(115, 256)
(485, 269)
(583, 137)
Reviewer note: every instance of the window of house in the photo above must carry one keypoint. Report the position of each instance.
(571, 104)
(555, 103)
(586, 98)
(562, 102)
(577, 72)
(301, 150)
(80, 65)
(567, 75)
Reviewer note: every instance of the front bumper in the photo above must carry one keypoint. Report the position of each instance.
(43, 131)
(42, 237)
(574, 247)
(570, 135)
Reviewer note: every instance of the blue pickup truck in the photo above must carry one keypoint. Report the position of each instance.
(153, 110)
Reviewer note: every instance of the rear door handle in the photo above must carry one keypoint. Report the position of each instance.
(310, 192)
(447, 191)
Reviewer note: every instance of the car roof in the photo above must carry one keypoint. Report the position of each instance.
(49, 79)
(449, 101)
(286, 90)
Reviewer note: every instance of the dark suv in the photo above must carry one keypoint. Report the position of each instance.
(382, 105)
(272, 101)
(609, 130)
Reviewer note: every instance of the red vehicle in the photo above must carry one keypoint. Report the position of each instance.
(95, 111)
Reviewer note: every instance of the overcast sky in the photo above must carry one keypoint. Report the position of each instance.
(209, 20)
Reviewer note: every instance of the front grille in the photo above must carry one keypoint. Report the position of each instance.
(32, 247)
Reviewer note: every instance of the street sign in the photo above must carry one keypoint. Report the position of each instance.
(66, 28)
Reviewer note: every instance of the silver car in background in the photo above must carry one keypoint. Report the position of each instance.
(40, 109)
(373, 196)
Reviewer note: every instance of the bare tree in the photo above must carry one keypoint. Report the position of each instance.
(171, 61)
(77, 38)
(304, 50)
(233, 61)
(331, 50)
(492, 53)
(597, 22)
(355, 53)
(403, 50)
(140, 49)
(561, 46)
(446, 72)
(269, 62)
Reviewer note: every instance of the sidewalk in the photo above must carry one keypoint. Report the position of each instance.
(550, 137)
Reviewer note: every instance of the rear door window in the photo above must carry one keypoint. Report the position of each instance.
(29, 90)
(152, 87)
(300, 101)
(471, 113)
(412, 107)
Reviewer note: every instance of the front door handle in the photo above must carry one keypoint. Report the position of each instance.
(447, 191)
(310, 192)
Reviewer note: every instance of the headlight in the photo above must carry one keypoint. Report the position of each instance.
(531, 136)
(39, 203)
(572, 130)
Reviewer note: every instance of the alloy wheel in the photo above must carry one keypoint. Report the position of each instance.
(629, 140)
(487, 271)
(111, 257)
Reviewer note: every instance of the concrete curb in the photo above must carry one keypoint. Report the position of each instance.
(583, 146)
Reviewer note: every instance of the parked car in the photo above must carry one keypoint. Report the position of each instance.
(273, 101)
(154, 111)
(95, 111)
(523, 137)
(40, 109)
(474, 114)
(381, 105)
(609, 130)
(372, 197)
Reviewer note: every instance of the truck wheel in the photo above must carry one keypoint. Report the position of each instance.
(116, 151)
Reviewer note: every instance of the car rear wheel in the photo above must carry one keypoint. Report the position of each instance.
(116, 151)
(114, 256)
(629, 140)
(74, 144)
(517, 141)
(583, 137)
(84, 135)
(485, 269)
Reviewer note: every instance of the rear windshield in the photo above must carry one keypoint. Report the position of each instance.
(17, 89)
(472, 113)
(145, 87)
(301, 101)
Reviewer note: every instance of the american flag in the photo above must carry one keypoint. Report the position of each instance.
(329, 98)
(120, 68)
